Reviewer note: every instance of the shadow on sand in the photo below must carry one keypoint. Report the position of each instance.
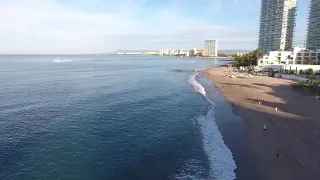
(293, 131)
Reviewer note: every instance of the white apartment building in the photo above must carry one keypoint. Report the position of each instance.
(167, 52)
(211, 48)
(193, 52)
(277, 21)
(308, 56)
(276, 57)
(161, 53)
(171, 52)
(297, 56)
(313, 36)
(164, 52)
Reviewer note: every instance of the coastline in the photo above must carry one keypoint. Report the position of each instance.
(292, 130)
(231, 127)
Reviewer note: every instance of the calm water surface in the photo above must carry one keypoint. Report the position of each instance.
(101, 117)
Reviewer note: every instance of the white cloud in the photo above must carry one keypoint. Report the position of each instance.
(49, 19)
(47, 26)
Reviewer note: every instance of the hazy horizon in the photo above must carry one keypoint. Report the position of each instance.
(222, 51)
(99, 26)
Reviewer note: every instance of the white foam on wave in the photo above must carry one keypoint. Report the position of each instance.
(222, 164)
(192, 170)
(199, 88)
(201, 69)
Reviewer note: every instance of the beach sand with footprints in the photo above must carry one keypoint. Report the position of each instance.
(289, 147)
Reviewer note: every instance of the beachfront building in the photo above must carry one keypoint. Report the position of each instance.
(308, 56)
(164, 52)
(182, 52)
(211, 48)
(299, 55)
(200, 52)
(240, 54)
(151, 53)
(313, 36)
(277, 21)
(134, 53)
(276, 57)
(188, 53)
(171, 52)
(161, 53)
(192, 52)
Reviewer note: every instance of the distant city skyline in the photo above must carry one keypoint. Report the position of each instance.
(98, 26)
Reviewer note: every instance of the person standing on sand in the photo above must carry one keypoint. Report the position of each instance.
(264, 127)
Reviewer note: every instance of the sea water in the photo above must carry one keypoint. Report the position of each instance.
(108, 117)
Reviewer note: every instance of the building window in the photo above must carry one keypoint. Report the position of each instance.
(313, 54)
(299, 54)
(306, 54)
(298, 62)
(299, 58)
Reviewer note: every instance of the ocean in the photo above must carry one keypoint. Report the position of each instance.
(109, 117)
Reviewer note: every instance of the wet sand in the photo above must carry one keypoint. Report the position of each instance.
(293, 130)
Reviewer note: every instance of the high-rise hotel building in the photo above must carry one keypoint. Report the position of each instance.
(313, 36)
(211, 48)
(277, 22)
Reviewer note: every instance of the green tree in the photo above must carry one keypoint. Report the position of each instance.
(247, 59)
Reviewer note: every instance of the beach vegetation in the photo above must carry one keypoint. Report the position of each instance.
(248, 59)
(301, 72)
(310, 84)
(223, 55)
(308, 71)
(293, 71)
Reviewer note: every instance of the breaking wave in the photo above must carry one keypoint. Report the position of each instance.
(222, 164)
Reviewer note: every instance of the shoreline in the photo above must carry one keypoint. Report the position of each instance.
(231, 127)
(292, 130)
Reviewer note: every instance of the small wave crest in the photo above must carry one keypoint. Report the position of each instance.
(193, 170)
(222, 165)
(199, 88)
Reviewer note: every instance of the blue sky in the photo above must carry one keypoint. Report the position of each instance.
(93, 26)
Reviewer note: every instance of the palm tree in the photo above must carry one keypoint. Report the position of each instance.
(258, 53)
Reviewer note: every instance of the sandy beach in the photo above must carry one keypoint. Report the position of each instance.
(292, 120)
